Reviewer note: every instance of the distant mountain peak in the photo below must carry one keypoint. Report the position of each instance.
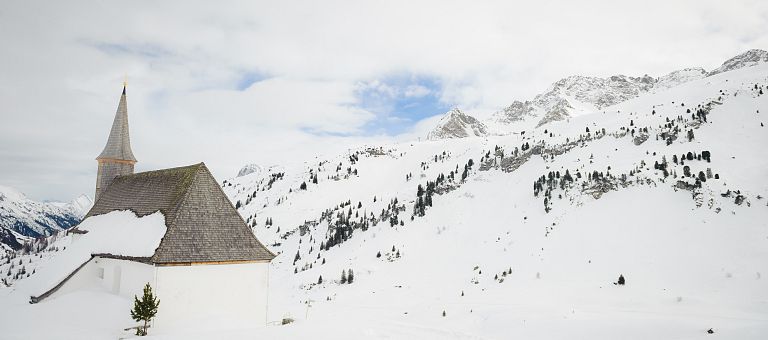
(250, 169)
(746, 59)
(23, 217)
(457, 124)
(81, 205)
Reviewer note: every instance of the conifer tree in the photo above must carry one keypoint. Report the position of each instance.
(350, 276)
(343, 276)
(144, 309)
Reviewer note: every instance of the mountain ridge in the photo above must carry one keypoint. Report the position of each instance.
(22, 218)
(521, 233)
(576, 94)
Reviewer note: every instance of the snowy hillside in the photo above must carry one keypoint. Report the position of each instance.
(577, 95)
(526, 234)
(513, 236)
(22, 218)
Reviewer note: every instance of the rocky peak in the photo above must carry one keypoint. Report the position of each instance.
(600, 92)
(250, 169)
(457, 124)
(516, 111)
(678, 77)
(588, 94)
(746, 59)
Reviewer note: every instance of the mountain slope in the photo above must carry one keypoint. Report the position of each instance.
(506, 249)
(518, 235)
(21, 217)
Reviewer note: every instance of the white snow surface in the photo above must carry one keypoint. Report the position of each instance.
(117, 233)
(693, 259)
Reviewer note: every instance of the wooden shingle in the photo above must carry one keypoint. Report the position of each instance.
(202, 224)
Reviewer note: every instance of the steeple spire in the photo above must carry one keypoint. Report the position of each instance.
(117, 158)
(119, 142)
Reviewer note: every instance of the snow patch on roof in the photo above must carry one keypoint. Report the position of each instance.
(119, 233)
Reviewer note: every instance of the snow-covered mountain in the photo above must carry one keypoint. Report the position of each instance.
(22, 218)
(457, 124)
(520, 235)
(576, 95)
(746, 59)
(527, 234)
(250, 169)
(679, 77)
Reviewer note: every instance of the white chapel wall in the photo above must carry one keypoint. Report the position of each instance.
(211, 296)
(120, 277)
(125, 278)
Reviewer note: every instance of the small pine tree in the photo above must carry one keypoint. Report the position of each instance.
(621, 280)
(350, 276)
(343, 276)
(320, 280)
(144, 309)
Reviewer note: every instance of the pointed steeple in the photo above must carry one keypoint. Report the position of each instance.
(119, 142)
(117, 158)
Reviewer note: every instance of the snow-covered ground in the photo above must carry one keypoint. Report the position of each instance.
(486, 261)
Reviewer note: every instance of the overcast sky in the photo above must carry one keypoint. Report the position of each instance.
(278, 81)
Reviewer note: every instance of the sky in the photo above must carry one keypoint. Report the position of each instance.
(270, 82)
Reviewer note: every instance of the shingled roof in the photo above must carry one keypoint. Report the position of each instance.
(202, 224)
(119, 142)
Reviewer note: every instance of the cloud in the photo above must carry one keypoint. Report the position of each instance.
(416, 91)
(233, 83)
